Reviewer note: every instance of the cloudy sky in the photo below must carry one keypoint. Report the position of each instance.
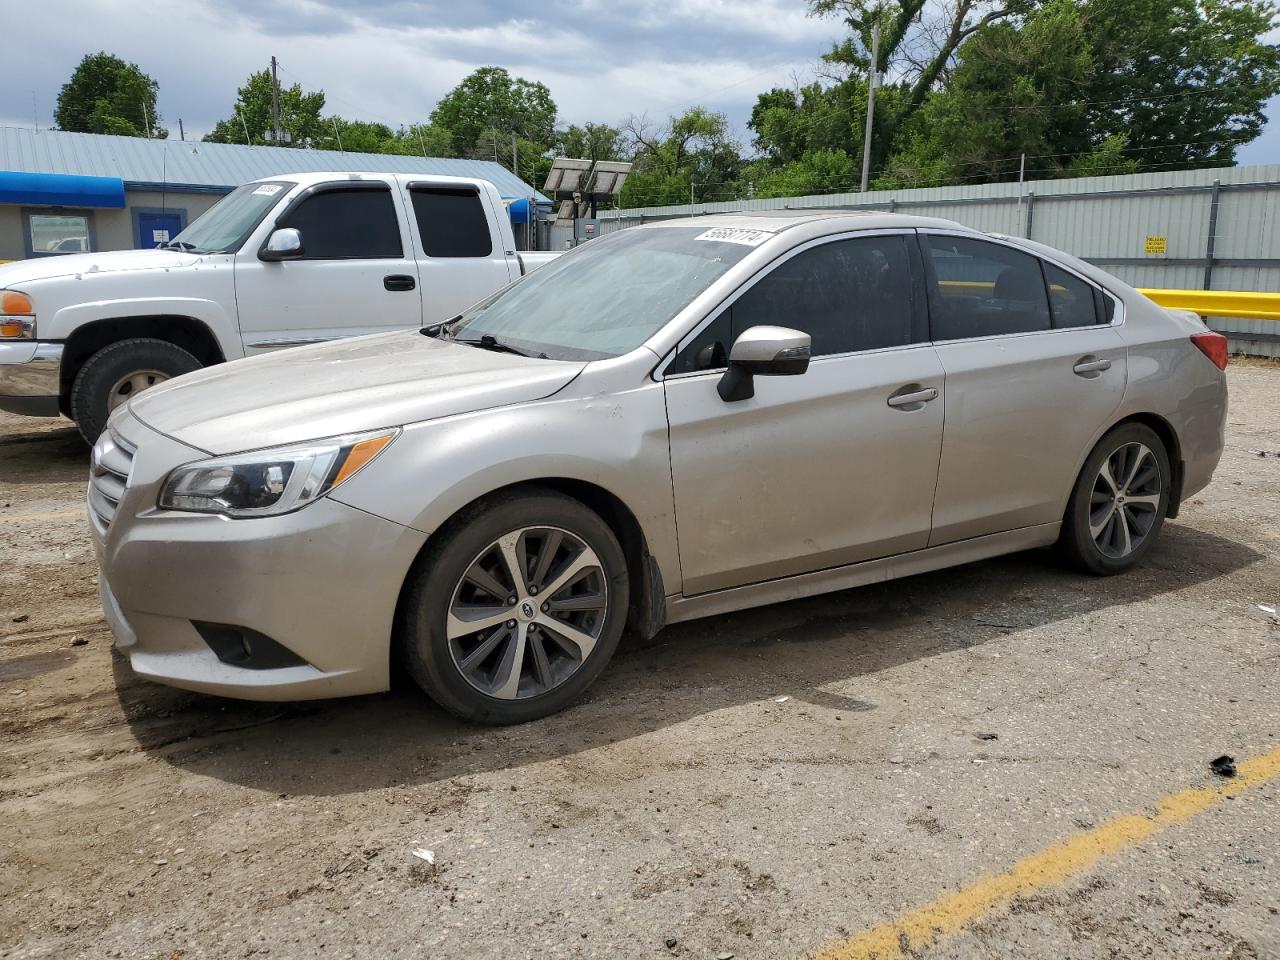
(390, 60)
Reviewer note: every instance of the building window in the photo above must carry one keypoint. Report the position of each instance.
(58, 233)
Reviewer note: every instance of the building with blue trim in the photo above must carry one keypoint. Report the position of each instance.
(76, 192)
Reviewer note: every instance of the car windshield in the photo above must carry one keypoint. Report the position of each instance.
(226, 225)
(608, 297)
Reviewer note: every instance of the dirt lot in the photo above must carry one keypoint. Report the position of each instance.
(935, 731)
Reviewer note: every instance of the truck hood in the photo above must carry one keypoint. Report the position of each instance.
(14, 275)
(365, 383)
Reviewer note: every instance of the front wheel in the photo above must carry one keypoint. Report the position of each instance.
(119, 372)
(517, 610)
(1119, 501)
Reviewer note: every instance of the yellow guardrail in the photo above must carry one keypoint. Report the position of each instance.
(1220, 303)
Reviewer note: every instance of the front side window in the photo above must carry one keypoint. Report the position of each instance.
(225, 226)
(451, 222)
(848, 295)
(59, 233)
(347, 223)
(981, 289)
(605, 298)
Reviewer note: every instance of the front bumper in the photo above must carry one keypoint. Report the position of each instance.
(29, 372)
(322, 582)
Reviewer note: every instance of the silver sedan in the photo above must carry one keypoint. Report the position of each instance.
(674, 421)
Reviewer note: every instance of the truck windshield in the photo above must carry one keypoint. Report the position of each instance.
(606, 298)
(226, 225)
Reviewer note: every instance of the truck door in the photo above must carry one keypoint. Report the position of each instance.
(461, 259)
(355, 273)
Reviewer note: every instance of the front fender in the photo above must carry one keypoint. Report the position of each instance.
(618, 443)
(211, 313)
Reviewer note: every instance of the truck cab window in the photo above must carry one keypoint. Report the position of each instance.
(451, 222)
(347, 224)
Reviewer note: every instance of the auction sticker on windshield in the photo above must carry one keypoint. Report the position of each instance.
(268, 189)
(749, 238)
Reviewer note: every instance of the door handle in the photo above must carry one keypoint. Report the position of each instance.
(399, 281)
(912, 397)
(1090, 366)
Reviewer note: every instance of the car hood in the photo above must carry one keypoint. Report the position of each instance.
(79, 264)
(364, 383)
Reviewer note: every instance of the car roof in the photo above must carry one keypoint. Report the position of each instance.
(834, 219)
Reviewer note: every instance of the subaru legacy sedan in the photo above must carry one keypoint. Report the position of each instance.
(673, 421)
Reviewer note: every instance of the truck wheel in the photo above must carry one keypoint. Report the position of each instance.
(119, 371)
(516, 609)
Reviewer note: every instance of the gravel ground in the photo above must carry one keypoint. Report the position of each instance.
(763, 784)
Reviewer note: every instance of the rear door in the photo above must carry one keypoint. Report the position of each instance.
(460, 256)
(823, 469)
(1033, 367)
(356, 275)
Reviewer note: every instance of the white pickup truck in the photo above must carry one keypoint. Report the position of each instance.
(277, 263)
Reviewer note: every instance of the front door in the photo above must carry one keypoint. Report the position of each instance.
(157, 229)
(1034, 369)
(822, 469)
(356, 274)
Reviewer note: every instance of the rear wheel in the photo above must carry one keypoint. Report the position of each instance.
(518, 609)
(119, 372)
(1119, 502)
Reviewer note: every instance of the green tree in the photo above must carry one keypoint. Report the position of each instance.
(592, 141)
(480, 114)
(300, 118)
(107, 95)
(693, 156)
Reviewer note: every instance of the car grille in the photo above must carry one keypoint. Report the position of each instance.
(109, 475)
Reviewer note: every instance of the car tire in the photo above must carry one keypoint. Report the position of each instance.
(117, 372)
(464, 671)
(1115, 514)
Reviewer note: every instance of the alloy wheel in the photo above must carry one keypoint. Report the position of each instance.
(1126, 500)
(132, 384)
(527, 612)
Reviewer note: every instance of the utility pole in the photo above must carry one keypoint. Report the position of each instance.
(182, 134)
(1022, 176)
(275, 104)
(873, 75)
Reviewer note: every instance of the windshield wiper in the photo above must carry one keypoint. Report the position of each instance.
(182, 245)
(489, 342)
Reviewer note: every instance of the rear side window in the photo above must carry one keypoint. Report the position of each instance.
(981, 289)
(1071, 300)
(451, 222)
(347, 224)
(848, 295)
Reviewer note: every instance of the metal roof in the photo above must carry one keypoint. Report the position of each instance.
(217, 166)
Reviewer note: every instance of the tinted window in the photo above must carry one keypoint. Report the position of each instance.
(1070, 299)
(981, 289)
(346, 225)
(850, 295)
(452, 223)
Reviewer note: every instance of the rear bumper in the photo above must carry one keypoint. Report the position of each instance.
(29, 373)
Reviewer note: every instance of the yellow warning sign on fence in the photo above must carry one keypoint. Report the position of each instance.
(1158, 245)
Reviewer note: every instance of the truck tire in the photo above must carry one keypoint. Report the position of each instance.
(119, 371)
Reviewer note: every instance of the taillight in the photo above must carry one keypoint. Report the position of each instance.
(1213, 346)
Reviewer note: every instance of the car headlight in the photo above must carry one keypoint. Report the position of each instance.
(17, 316)
(266, 483)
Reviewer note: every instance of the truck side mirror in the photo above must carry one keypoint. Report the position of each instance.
(283, 244)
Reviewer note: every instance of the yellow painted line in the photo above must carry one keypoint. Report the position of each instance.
(951, 912)
(31, 517)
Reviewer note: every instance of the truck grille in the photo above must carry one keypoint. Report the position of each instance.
(108, 475)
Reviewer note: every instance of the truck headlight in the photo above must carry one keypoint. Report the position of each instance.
(17, 316)
(266, 483)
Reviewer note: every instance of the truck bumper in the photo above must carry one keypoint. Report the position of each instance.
(29, 377)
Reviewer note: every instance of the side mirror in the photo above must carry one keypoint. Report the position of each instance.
(283, 244)
(764, 352)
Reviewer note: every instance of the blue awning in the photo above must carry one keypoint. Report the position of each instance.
(517, 209)
(61, 190)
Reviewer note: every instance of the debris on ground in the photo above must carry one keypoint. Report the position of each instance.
(1267, 609)
(423, 854)
(670, 943)
(987, 736)
(79, 641)
(22, 618)
(781, 699)
(1223, 766)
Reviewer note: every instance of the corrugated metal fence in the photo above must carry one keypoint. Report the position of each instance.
(1215, 229)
